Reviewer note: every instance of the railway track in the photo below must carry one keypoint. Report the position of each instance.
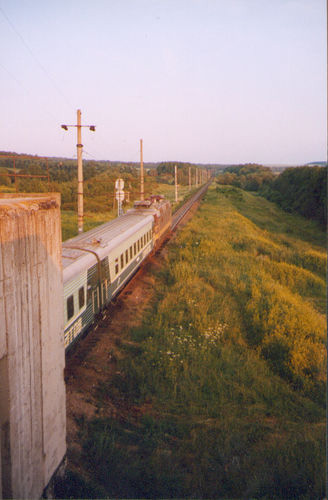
(182, 211)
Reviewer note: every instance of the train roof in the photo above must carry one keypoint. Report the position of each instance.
(81, 252)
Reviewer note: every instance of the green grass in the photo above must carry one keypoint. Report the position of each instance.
(91, 220)
(231, 356)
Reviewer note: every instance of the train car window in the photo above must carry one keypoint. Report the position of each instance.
(116, 265)
(70, 307)
(135, 248)
(130, 252)
(81, 297)
(126, 256)
(138, 245)
(122, 261)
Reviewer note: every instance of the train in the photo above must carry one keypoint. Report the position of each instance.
(98, 263)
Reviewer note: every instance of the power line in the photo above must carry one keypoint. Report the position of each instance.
(89, 154)
(13, 77)
(36, 60)
(26, 90)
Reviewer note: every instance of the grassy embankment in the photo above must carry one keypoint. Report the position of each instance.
(230, 361)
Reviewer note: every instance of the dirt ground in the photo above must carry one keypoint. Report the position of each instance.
(94, 358)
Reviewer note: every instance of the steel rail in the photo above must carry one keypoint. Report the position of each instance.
(181, 212)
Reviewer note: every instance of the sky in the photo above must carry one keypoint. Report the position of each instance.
(204, 81)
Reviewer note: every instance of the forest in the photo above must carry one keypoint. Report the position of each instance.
(60, 175)
(300, 190)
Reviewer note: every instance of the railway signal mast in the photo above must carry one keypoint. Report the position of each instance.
(176, 183)
(119, 186)
(79, 147)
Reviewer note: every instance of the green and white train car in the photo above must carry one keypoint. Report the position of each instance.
(98, 263)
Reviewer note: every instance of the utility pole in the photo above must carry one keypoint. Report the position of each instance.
(189, 178)
(176, 183)
(79, 147)
(142, 194)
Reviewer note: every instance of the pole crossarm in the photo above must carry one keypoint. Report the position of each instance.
(91, 127)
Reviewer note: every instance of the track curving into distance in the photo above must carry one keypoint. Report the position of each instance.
(181, 212)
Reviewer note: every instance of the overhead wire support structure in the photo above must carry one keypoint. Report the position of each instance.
(79, 147)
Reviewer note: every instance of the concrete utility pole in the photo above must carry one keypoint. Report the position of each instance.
(176, 183)
(189, 178)
(79, 147)
(142, 193)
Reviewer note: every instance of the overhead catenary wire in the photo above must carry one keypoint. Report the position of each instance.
(26, 90)
(36, 60)
(103, 141)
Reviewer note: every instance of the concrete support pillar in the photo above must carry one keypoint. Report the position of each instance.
(32, 356)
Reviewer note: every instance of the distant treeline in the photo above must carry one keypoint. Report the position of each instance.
(99, 178)
(302, 190)
(297, 189)
(64, 170)
(166, 170)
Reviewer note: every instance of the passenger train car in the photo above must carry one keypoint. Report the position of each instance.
(98, 263)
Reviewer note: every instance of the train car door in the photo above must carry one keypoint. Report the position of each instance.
(95, 300)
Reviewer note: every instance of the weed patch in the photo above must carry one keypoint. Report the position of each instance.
(230, 361)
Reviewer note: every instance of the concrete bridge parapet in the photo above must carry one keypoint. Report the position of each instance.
(32, 355)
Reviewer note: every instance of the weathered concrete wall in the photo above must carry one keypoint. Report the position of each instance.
(32, 356)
